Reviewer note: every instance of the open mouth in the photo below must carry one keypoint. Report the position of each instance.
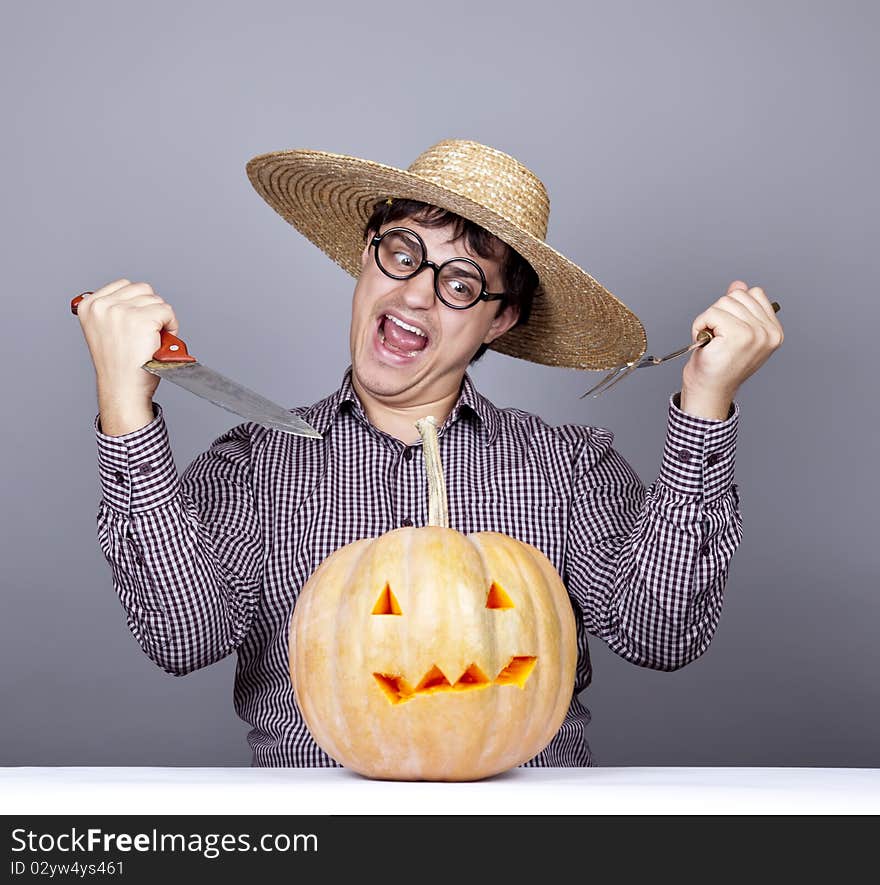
(399, 338)
(398, 690)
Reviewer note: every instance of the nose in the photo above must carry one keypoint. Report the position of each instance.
(418, 291)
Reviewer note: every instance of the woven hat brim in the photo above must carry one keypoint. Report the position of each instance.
(575, 321)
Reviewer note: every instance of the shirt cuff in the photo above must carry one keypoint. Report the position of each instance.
(699, 455)
(137, 470)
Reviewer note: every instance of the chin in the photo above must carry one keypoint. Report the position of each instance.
(381, 380)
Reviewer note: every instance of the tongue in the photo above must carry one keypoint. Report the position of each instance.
(401, 338)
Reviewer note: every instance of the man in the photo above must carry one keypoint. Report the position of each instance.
(450, 258)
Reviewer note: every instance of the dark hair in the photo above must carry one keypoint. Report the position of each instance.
(518, 278)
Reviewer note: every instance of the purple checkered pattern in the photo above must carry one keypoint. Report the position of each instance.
(211, 562)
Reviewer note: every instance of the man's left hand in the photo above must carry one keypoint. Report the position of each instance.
(746, 332)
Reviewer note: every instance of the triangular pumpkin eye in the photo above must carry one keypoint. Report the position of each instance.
(497, 598)
(387, 603)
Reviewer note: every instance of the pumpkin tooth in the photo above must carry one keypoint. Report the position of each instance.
(473, 677)
(517, 671)
(433, 680)
(396, 688)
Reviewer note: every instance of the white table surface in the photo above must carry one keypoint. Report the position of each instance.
(243, 790)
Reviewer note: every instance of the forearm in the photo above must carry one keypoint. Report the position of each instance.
(186, 605)
(181, 606)
(648, 566)
(668, 588)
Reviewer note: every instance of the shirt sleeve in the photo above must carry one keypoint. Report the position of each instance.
(184, 551)
(648, 566)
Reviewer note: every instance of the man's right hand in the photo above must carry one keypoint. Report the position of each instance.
(121, 323)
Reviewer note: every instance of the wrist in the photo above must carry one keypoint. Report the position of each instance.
(124, 394)
(702, 404)
(122, 412)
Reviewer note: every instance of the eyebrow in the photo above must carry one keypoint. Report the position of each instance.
(467, 272)
(407, 237)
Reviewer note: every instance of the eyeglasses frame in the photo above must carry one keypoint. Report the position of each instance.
(484, 294)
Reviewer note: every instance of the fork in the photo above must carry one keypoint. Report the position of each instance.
(704, 337)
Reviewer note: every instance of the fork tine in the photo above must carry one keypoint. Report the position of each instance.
(605, 383)
(620, 376)
(601, 383)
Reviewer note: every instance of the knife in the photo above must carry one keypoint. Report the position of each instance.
(173, 361)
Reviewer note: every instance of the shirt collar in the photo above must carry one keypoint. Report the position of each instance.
(323, 414)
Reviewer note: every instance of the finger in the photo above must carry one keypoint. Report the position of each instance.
(162, 311)
(737, 284)
(143, 299)
(720, 319)
(123, 293)
(110, 287)
(764, 317)
(748, 302)
(152, 304)
(758, 294)
(89, 298)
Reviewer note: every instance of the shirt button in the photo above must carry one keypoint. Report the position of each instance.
(146, 468)
(138, 558)
(408, 453)
(684, 455)
(120, 477)
(406, 522)
(714, 458)
(704, 550)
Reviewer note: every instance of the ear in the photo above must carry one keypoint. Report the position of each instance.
(365, 255)
(502, 322)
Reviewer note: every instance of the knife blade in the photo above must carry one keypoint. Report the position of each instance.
(173, 361)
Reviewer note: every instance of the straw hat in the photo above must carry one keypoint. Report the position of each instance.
(575, 322)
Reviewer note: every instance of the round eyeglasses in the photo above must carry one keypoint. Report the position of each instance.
(459, 282)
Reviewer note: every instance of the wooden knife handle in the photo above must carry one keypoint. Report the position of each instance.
(171, 349)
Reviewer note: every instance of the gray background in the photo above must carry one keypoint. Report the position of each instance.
(684, 145)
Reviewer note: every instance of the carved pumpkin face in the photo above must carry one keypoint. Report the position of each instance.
(399, 689)
(428, 654)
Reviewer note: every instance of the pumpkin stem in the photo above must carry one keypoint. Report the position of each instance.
(438, 511)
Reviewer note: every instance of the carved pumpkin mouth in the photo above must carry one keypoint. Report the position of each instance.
(398, 690)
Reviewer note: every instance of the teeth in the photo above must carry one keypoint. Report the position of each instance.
(404, 325)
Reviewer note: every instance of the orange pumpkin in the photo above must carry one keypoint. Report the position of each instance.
(427, 654)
